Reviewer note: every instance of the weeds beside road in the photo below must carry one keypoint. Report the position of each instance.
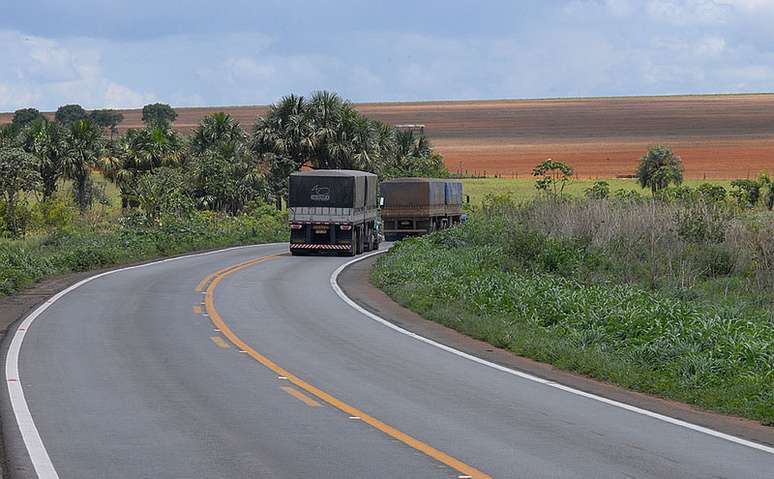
(82, 246)
(670, 299)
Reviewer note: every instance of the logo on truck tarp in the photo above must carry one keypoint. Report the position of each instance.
(321, 193)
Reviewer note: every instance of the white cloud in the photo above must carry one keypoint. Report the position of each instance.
(46, 73)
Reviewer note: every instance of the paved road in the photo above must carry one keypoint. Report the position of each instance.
(125, 377)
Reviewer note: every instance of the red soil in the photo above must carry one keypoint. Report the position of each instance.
(724, 136)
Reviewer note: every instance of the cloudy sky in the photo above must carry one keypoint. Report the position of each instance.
(117, 53)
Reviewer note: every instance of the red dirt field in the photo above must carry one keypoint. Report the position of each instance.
(718, 136)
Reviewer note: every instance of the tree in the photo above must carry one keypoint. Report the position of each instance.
(18, 173)
(659, 168)
(162, 191)
(25, 116)
(747, 192)
(226, 181)
(84, 150)
(8, 135)
(68, 114)
(48, 142)
(107, 119)
(600, 190)
(283, 139)
(217, 132)
(137, 152)
(554, 176)
(158, 114)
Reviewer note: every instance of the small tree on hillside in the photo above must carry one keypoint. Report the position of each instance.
(68, 114)
(554, 176)
(659, 168)
(158, 114)
(25, 116)
(18, 173)
(107, 119)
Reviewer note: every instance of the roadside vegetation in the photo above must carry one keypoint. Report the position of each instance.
(670, 294)
(168, 193)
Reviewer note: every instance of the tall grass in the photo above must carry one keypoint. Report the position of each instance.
(670, 299)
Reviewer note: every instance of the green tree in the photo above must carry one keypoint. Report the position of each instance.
(68, 114)
(225, 180)
(48, 142)
(25, 116)
(283, 138)
(712, 193)
(746, 192)
(162, 192)
(600, 190)
(84, 151)
(659, 168)
(107, 119)
(158, 114)
(8, 135)
(554, 176)
(137, 152)
(217, 132)
(18, 173)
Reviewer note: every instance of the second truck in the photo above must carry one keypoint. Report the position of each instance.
(416, 206)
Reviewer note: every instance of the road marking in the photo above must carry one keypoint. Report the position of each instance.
(219, 342)
(36, 450)
(197, 310)
(661, 417)
(351, 411)
(301, 396)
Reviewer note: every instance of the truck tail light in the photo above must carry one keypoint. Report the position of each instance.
(295, 226)
(346, 227)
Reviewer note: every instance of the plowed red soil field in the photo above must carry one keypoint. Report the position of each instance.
(723, 136)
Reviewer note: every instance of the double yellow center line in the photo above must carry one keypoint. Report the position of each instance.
(208, 285)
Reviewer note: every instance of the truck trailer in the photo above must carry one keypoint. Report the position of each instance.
(333, 211)
(416, 206)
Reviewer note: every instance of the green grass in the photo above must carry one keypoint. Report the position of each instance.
(524, 188)
(84, 246)
(565, 300)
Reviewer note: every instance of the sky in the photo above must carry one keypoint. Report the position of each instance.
(124, 54)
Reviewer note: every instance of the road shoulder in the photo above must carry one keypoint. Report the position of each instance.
(354, 280)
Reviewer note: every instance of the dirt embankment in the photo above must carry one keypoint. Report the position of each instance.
(722, 136)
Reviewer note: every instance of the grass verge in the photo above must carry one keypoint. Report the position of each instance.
(561, 300)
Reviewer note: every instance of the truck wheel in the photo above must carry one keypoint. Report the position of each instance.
(360, 241)
(353, 247)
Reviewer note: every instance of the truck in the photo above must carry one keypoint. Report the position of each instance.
(416, 206)
(333, 211)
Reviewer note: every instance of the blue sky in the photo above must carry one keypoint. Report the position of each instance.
(116, 53)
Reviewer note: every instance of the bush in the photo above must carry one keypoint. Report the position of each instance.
(82, 247)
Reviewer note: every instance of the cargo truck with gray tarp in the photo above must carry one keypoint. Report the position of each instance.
(416, 206)
(333, 211)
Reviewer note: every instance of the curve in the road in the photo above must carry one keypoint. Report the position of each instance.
(214, 279)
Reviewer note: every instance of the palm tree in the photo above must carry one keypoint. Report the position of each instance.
(48, 142)
(84, 150)
(217, 131)
(138, 152)
(283, 139)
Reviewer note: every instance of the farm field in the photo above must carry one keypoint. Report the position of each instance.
(524, 188)
(718, 136)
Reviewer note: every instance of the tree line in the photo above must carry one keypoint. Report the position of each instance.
(219, 166)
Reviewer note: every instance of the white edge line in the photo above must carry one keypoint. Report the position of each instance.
(677, 422)
(29, 432)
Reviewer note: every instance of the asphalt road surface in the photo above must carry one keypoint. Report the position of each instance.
(168, 371)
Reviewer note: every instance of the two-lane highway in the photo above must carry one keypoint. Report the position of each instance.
(246, 363)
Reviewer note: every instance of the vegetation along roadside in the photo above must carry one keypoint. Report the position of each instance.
(74, 196)
(670, 294)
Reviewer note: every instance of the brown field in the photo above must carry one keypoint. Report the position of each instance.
(718, 136)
